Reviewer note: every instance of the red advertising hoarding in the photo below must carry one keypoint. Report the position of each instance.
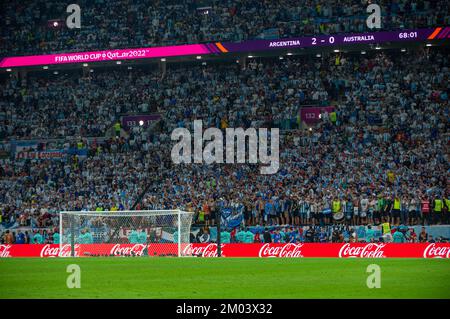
(289, 250)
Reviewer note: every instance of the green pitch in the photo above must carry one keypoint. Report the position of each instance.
(223, 278)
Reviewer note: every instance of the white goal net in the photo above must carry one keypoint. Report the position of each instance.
(125, 233)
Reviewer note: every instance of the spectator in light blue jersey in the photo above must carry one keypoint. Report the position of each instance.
(88, 238)
(38, 238)
(268, 210)
(241, 236)
(398, 236)
(369, 234)
(249, 237)
(277, 236)
(142, 237)
(56, 237)
(133, 237)
(225, 236)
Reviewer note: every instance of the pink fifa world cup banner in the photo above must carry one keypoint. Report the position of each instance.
(106, 55)
(441, 33)
(310, 115)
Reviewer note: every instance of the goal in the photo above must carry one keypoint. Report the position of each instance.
(129, 233)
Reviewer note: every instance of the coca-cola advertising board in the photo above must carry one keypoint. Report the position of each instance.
(289, 250)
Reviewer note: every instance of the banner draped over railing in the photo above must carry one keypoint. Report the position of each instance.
(232, 217)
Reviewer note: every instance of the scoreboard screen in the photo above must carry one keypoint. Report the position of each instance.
(439, 33)
(340, 40)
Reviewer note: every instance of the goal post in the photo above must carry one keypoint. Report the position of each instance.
(128, 233)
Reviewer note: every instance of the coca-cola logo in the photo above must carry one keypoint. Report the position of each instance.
(433, 251)
(5, 251)
(127, 250)
(209, 250)
(287, 250)
(52, 251)
(66, 250)
(366, 251)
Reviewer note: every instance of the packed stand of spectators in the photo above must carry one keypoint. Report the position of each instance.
(259, 234)
(72, 105)
(35, 236)
(26, 26)
(380, 157)
(318, 234)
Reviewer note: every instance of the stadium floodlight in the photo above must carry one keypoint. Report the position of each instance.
(8, 70)
(163, 59)
(85, 64)
(198, 57)
(126, 233)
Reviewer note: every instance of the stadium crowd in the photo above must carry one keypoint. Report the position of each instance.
(380, 156)
(27, 27)
(259, 234)
(320, 234)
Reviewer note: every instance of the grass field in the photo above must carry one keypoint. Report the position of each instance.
(223, 278)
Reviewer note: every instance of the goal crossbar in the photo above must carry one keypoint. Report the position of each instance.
(113, 213)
